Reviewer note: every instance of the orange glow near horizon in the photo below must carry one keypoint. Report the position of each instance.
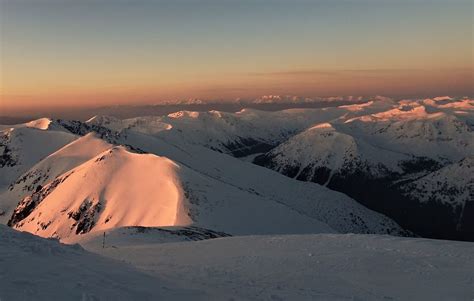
(67, 54)
(304, 83)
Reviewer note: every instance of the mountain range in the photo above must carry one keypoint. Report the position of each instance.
(383, 166)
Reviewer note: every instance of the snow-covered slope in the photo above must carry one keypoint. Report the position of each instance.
(21, 147)
(34, 268)
(311, 267)
(321, 151)
(439, 135)
(379, 144)
(451, 186)
(288, 267)
(224, 132)
(137, 235)
(45, 171)
(71, 155)
(116, 188)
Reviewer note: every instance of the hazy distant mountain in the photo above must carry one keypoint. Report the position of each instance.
(263, 103)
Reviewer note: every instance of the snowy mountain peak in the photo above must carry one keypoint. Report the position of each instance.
(325, 125)
(41, 124)
(184, 114)
(357, 107)
(404, 112)
(450, 103)
(115, 188)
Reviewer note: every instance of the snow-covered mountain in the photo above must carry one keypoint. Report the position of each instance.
(24, 145)
(451, 186)
(440, 136)
(240, 134)
(374, 152)
(91, 185)
(381, 155)
(119, 188)
(101, 193)
(374, 145)
(178, 198)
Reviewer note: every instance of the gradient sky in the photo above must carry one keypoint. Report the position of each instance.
(66, 53)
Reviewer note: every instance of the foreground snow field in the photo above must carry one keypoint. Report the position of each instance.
(153, 264)
(306, 267)
(34, 268)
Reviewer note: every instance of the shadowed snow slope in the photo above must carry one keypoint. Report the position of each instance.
(126, 236)
(34, 268)
(452, 184)
(311, 267)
